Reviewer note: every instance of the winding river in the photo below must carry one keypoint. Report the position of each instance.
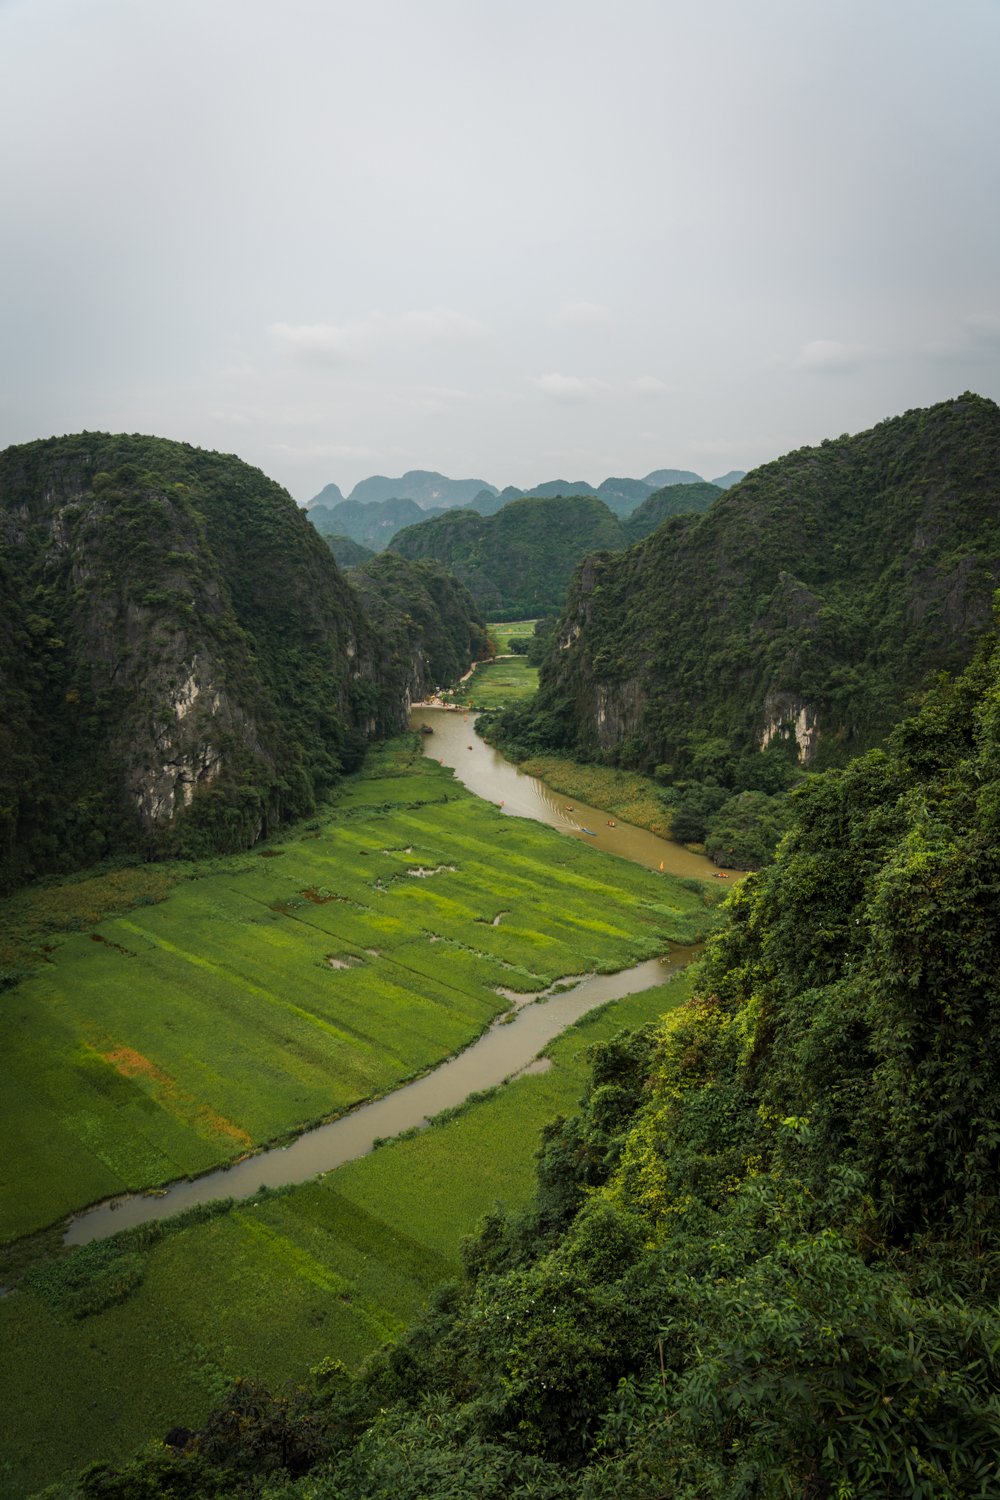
(508, 1048)
(490, 775)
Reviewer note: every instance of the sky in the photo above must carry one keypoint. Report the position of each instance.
(520, 241)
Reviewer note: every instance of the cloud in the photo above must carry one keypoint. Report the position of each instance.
(305, 451)
(435, 325)
(318, 343)
(439, 398)
(977, 334)
(339, 344)
(568, 387)
(585, 315)
(650, 385)
(828, 357)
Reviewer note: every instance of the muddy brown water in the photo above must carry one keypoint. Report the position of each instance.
(510, 1047)
(492, 776)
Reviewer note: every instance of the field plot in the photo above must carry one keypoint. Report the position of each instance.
(265, 993)
(502, 632)
(498, 684)
(269, 1288)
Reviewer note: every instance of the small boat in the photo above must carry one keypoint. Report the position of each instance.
(426, 729)
(611, 823)
(593, 835)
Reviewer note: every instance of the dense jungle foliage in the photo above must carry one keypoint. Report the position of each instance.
(519, 561)
(427, 619)
(672, 500)
(370, 523)
(348, 554)
(764, 1258)
(182, 665)
(804, 609)
(374, 522)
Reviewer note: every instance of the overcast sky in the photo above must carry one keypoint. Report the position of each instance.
(515, 241)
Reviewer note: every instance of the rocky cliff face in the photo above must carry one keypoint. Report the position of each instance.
(182, 665)
(805, 606)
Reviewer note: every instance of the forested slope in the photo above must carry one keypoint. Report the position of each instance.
(182, 665)
(427, 619)
(672, 500)
(519, 561)
(807, 604)
(763, 1260)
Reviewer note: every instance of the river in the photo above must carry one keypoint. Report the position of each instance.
(507, 1048)
(490, 775)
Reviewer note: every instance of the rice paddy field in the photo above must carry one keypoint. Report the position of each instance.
(270, 1288)
(246, 999)
(498, 684)
(502, 632)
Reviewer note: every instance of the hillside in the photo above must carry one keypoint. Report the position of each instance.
(424, 486)
(672, 500)
(803, 608)
(762, 1260)
(370, 523)
(347, 553)
(378, 508)
(427, 619)
(660, 478)
(518, 562)
(182, 664)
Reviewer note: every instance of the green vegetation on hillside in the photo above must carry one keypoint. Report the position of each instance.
(809, 601)
(801, 611)
(518, 561)
(174, 655)
(371, 524)
(183, 667)
(763, 1261)
(673, 500)
(428, 621)
(348, 554)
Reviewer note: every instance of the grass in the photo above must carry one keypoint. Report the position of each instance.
(171, 1038)
(167, 1024)
(502, 632)
(269, 1288)
(634, 798)
(498, 684)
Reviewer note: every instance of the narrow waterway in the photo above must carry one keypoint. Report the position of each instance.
(509, 1047)
(489, 774)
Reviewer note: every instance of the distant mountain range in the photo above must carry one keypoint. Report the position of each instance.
(377, 508)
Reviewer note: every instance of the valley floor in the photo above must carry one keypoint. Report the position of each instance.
(172, 1036)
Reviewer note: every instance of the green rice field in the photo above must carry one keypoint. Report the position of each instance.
(268, 1289)
(168, 1024)
(502, 632)
(498, 684)
(266, 993)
